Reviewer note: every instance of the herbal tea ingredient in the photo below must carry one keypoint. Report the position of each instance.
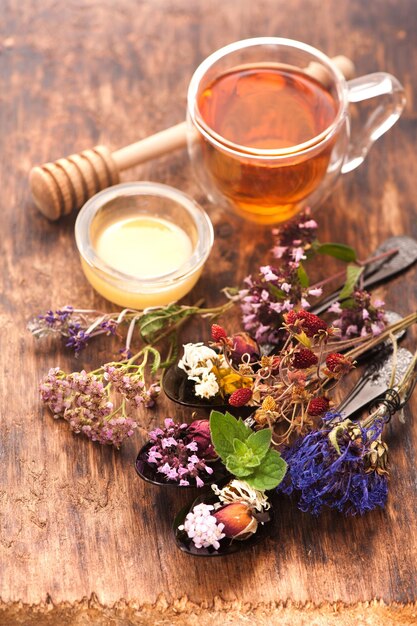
(283, 364)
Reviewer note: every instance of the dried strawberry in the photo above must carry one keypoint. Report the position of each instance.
(217, 332)
(304, 358)
(240, 397)
(318, 406)
(290, 317)
(338, 363)
(311, 323)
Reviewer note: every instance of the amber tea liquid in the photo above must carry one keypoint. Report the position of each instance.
(267, 108)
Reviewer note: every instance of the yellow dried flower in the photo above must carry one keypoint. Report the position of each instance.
(229, 380)
(269, 404)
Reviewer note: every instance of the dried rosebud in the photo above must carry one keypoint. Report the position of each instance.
(240, 397)
(218, 332)
(242, 343)
(199, 431)
(318, 406)
(239, 523)
(304, 358)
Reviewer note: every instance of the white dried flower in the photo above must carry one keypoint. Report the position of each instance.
(208, 387)
(197, 361)
(202, 527)
(240, 491)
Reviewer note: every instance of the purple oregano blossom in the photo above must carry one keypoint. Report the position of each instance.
(277, 288)
(180, 452)
(359, 316)
(86, 400)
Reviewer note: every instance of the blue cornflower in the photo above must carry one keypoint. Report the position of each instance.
(344, 471)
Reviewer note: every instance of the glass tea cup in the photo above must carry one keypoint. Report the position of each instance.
(268, 126)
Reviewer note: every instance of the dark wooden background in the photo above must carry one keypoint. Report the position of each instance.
(76, 524)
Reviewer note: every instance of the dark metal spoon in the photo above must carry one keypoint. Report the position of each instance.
(381, 270)
(375, 382)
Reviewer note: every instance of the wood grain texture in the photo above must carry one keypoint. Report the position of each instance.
(75, 522)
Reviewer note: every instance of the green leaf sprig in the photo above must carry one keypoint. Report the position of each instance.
(246, 454)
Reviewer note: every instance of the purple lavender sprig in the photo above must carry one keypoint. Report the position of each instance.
(76, 326)
(177, 455)
(79, 326)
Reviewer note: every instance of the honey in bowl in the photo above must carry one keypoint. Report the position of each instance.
(276, 108)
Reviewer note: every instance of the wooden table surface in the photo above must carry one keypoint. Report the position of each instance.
(82, 539)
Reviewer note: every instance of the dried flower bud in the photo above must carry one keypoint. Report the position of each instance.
(377, 458)
(240, 397)
(239, 522)
(269, 404)
(199, 431)
(242, 343)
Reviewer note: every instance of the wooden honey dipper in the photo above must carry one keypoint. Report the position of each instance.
(61, 186)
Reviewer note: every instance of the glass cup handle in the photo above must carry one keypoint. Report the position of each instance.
(382, 117)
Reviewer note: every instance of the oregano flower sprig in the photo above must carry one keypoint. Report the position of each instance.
(96, 404)
(273, 290)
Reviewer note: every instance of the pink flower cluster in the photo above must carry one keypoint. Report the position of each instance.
(131, 385)
(274, 291)
(82, 400)
(359, 316)
(177, 454)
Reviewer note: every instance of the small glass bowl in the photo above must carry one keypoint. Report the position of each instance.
(143, 199)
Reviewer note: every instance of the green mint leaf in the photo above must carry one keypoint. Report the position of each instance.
(240, 447)
(269, 473)
(244, 455)
(302, 276)
(243, 430)
(259, 442)
(234, 466)
(353, 273)
(338, 251)
(224, 429)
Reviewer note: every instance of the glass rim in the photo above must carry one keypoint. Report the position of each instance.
(199, 217)
(245, 151)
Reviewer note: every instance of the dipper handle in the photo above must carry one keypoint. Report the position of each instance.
(61, 186)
